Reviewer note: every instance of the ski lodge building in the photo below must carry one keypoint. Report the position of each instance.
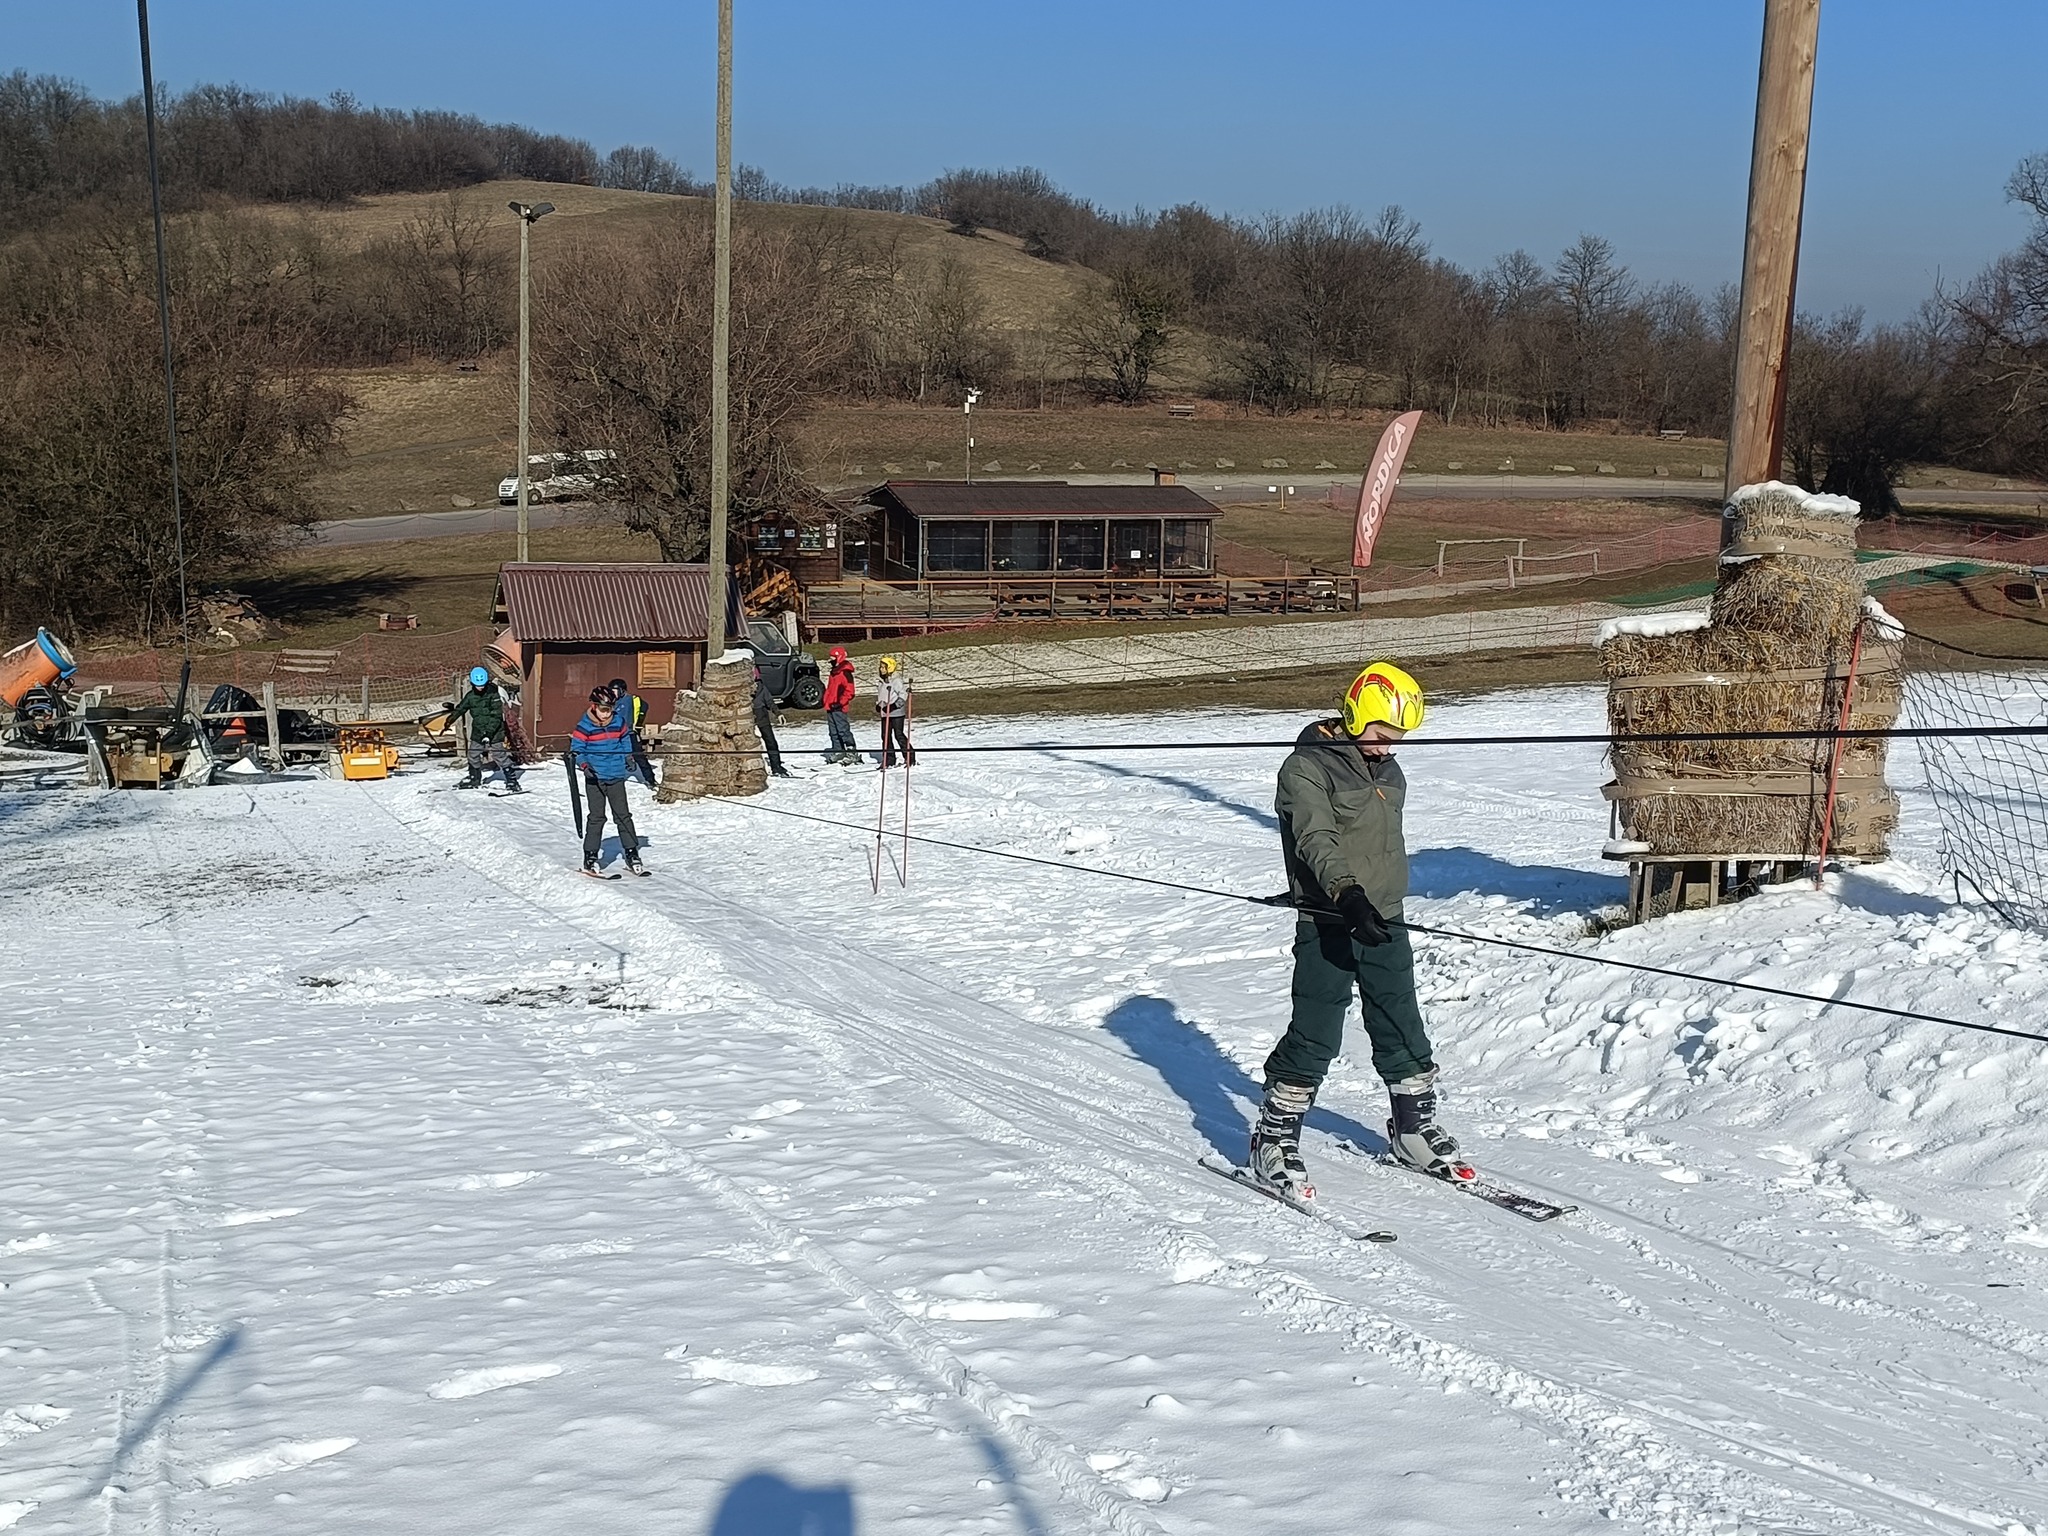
(947, 530)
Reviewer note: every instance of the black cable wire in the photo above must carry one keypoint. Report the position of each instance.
(1586, 738)
(1440, 933)
(1964, 650)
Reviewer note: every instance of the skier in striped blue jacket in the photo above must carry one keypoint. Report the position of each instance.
(602, 745)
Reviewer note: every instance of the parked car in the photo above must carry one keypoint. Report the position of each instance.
(559, 476)
(791, 674)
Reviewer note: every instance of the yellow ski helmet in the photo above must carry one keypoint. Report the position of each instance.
(1382, 693)
(888, 665)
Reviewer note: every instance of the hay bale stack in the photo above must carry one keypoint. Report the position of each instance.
(711, 747)
(1772, 654)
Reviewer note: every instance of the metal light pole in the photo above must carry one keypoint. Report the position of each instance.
(529, 215)
(972, 396)
(721, 344)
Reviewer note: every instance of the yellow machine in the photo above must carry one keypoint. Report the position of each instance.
(363, 753)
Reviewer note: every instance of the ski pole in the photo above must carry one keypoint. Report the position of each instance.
(909, 703)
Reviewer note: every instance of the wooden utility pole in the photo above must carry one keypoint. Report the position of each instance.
(1770, 252)
(721, 342)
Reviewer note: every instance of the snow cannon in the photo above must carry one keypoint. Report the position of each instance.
(34, 664)
(505, 659)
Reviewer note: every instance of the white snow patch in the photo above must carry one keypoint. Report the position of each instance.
(987, 1311)
(30, 1419)
(1882, 624)
(34, 1244)
(279, 1458)
(13, 1510)
(747, 1373)
(774, 1109)
(250, 1218)
(491, 1379)
(1676, 621)
(1087, 839)
(498, 1180)
(1842, 508)
(1622, 847)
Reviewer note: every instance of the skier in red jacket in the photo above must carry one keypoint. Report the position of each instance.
(838, 696)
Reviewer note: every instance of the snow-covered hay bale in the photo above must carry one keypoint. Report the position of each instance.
(1779, 519)
(1773, 655)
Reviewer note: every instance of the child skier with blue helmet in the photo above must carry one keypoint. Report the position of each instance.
(484, 706)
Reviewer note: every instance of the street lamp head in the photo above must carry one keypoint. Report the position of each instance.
(530, 211)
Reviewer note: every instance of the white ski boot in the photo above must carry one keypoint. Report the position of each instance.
(1275, 1161)
(1414, 1137)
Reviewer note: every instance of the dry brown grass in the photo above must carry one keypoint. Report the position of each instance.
(849, 443)
(325, 596)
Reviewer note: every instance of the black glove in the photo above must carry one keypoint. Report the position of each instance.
(1362, 917)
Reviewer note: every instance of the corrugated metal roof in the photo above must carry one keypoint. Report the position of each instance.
(627, 601)
(1013, 498)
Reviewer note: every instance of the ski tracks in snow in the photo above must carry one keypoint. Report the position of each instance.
(1633, 1459)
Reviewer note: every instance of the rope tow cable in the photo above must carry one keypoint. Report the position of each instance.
(1577, 739)
(1440, 933)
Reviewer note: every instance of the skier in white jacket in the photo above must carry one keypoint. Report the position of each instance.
(892, 704)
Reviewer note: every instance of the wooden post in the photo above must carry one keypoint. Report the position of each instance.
(1770, 252)
(721, 340)
(366, 696)
(270, 724)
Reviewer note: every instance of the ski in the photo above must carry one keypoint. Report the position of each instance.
(602, 874)
(1479, 1187)
(1242, 1178)
(504, 794)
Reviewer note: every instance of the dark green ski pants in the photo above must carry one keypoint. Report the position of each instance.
(1328, 963)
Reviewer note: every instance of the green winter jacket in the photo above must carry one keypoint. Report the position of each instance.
(1340, 821)
(485, 707)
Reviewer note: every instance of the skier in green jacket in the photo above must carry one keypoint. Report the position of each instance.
(485, 707)
(1339, 801)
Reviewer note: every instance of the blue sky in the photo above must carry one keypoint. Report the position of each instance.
(1497, 123)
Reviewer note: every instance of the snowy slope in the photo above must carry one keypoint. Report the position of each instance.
(437, 1188)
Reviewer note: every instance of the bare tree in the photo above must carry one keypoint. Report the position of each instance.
(1997, 327)
(86, 529)
(623, 361)
(1117, 332)
(1860, 406)
(1592, 289)
(642, 168)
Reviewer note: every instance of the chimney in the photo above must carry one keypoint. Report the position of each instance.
(1163, 476)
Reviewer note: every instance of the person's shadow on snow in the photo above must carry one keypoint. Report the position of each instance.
(1221, 1097)
(762, 1504)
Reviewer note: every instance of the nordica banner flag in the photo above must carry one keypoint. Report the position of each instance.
(1377, 490)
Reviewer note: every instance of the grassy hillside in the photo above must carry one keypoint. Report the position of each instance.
(851, 442)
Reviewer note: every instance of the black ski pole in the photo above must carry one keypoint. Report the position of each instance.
(575, 790)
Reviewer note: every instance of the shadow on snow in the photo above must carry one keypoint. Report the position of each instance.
(1222, 1098)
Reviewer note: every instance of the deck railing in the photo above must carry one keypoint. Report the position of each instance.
(996, 599)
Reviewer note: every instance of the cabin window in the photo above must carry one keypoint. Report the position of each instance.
(955, 546)
(657, 669)
(1080, 546)
(1020, 546)
(1187, 544)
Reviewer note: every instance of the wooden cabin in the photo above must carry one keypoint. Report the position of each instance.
(579, 625)
(939, 530)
